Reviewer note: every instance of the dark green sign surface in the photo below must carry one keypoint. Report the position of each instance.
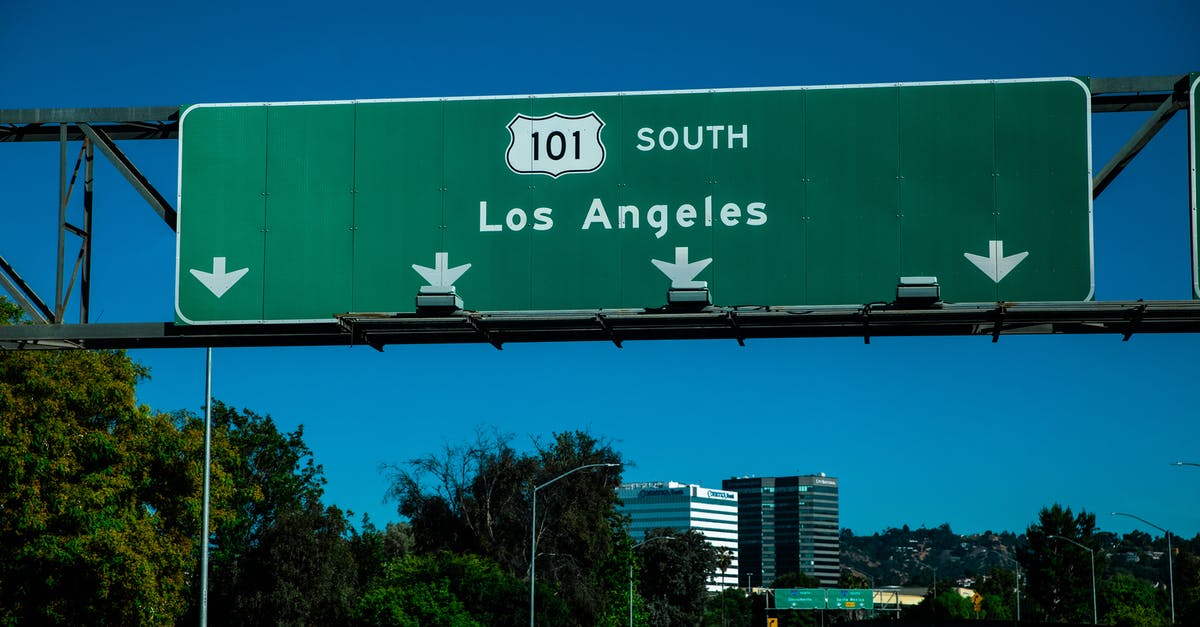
(790, 196)
(800, 598)
(850, 599)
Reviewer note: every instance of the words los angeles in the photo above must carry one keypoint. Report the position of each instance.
(658, 217)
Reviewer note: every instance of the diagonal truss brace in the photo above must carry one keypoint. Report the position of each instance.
(131, 173)
(1172, 103)
(23, 294)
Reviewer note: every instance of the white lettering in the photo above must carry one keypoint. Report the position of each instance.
(708, 211)
(657, 218)
(662, 138)
(694, 137)
(685, 216)
(645, 135)
(716, 133)
(543, 221)
(744, 136)
(516, 219)
(757, 212)
(484, 227)
(596, 213)
(730, 213)
(627, 210)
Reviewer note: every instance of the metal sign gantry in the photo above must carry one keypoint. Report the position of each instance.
(103, 128)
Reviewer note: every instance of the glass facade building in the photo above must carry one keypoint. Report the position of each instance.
(785, 525)
(683, 507)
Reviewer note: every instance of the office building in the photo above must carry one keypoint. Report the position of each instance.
(786, 525)
(683, 507)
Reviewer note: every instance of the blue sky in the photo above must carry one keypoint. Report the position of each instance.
(921, 431)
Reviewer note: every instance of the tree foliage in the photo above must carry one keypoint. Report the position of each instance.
(447, 589)
(676, 567)
(278, 555)
(477, 498)
(100, 498)
(1060, 573)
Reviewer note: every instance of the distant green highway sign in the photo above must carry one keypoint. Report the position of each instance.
(785, 196)
(851, 599)
(800, 598)
(824, 598)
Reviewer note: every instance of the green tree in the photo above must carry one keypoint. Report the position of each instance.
(447, 589)
(100, 506)
(999, 590)
(728, 608)
(676, 567)
(475, 498)
(1059, 573)
(279, 555)
(1130, 602)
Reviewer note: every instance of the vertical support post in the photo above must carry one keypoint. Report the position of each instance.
(207, 486)
(85, 283)
(59, 306)
(532, 556)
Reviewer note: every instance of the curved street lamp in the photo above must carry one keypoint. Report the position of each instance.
(934, 569)
(533, 531)
(1095, 620)
(1017, 571)
(1170, 563)
(1185, 464)
(643, 542)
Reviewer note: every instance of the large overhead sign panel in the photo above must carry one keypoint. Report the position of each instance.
(789, 196)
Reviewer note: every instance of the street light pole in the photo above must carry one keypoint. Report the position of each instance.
(643, 542)
(533, 532)
(1185, 464)
(1095, 618)
(1170, 562)
(1017, 571)
(933, 596)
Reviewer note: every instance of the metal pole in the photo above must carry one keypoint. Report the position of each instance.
(533, 531)
(1171, 574)
(1095, 614)
(1095, 607)
(85, 283)
(631, 589)
(1170, 559)
(207, 486)
(59, 305)
(532, 555)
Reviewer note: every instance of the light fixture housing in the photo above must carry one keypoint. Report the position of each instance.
(921, 291)
(436, 299)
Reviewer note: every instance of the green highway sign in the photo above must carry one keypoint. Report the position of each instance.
(781, 196)
(852, 599)
(800, 598)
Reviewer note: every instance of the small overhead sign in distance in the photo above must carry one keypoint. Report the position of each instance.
(797, 196)
(800, 598)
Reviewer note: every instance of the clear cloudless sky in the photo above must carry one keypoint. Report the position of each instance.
(920, 431)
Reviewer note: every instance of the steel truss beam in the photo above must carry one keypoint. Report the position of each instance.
(101, 127)
(1172, 101)
(622, 325)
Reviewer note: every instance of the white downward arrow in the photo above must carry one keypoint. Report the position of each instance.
(996, 265)
(682, 273)
(219, 281)
(441, 275)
